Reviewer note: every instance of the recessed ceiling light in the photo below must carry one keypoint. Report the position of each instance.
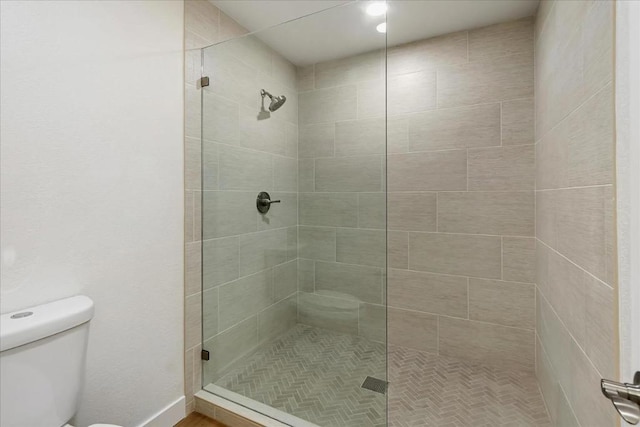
(382, 28)
(377, 8)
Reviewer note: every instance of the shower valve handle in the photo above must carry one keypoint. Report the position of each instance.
(263, 202)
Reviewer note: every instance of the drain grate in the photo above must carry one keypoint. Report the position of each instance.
(374, 384)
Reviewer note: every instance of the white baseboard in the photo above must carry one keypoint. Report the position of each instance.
(169, 416)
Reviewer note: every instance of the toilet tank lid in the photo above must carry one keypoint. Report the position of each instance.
(35, 323)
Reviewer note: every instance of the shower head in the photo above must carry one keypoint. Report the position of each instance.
(276, 101)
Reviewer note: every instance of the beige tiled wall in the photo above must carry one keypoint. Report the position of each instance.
(341, 178)
(248, 262)
(461, 203)
(575, 269)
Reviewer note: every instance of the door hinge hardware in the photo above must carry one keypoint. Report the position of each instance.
(204, 355)
(203, 82)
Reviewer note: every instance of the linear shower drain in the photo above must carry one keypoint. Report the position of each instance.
(374, 384)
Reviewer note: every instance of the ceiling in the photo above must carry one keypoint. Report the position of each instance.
(344, 29)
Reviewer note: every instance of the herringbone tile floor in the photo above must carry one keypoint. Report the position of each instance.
(316, 375)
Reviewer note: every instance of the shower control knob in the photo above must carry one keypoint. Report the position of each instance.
(263, 202)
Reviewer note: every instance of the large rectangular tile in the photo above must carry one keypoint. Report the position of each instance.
(398, 249)
(502, 79)
(202, 18)
(291, 140)
(305, 77)
(306, 171)
(493, 345)
(242, 169)
(306, 275)
(398, 134)
(227, 213)
(567, 294)
(372, 210)
(221, 261)
(580, 150)
(372, 99)
(352, 69)
(573, 222)
(262, 135)
(410, 93)
(428, 54)
(193, 112)
(360, 137)
(285, 174)
(210, 166)
(465, 255)
(220, 119)
(508, 213)
(285, 280)
(502, 168)
(412, 211)
(600, 338)
(277, 319)
(193, 320)
(501, 39)
(372, 322)
(432, 293)
(598, 35)
(327, 105)
(333, 209)
(519, 259)
(413, 329)
(518, 119)
(555, 340)
(230, 77)
(210, 313)
(336, 314)
(316, 140)
(189, 235)
(193, 268)
(192, 163)
(504, 303)
(362, 247)
(349, 281)
(228, 346)
(444, 170)
(586, 398)
(245, 297)
(465, 127)
(262, 250)
(349, 174)
(317, 243)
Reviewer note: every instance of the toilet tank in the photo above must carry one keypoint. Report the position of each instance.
(42, 359)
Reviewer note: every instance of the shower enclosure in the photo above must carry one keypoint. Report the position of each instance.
(293, 225)
(392, 231)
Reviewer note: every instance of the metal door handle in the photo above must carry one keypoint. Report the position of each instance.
(625, 397)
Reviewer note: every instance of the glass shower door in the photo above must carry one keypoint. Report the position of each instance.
(294, 220)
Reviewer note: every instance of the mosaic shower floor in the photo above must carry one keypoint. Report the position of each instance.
(315, 374)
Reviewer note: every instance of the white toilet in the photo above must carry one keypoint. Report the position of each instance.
(42, 360)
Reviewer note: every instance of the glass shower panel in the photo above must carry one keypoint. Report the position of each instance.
(294, 219)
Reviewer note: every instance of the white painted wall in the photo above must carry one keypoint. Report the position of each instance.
(628, 176)
(92, 186)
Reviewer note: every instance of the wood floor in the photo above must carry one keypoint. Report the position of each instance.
(198, 420)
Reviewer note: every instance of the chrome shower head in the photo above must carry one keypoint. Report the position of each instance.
(276, 101)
